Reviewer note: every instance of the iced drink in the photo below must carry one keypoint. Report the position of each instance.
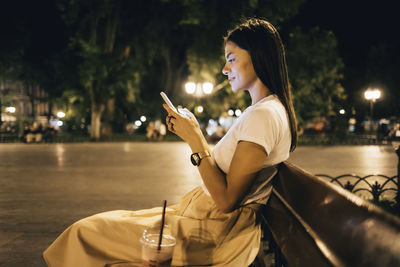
(151, 256)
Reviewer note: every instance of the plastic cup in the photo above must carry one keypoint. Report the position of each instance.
(151, 256)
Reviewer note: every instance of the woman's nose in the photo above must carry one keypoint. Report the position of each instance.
(225, 70)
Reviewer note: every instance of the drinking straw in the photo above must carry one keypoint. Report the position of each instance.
(162, 225)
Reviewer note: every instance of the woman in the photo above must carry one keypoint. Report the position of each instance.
(214, 224)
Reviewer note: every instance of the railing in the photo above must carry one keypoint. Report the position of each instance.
(77, 138)
(350, 139)
(303, 139)
(369, 183)
(9, 138)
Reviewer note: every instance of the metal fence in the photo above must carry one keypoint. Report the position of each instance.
(377, 186)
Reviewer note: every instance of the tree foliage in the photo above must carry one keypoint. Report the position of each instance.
(113, 57)
(206, 55)
(316, 71)
(100, 37)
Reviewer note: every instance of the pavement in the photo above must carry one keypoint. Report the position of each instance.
(44, 188)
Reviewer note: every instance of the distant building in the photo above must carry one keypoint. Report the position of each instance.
(29, 102)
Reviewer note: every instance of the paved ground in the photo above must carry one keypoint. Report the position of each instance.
(44, 188)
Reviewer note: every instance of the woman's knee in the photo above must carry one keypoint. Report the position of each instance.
(83, 227)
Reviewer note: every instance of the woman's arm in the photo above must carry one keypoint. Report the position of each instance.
(226, 190)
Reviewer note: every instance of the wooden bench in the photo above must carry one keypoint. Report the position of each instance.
(315, 223)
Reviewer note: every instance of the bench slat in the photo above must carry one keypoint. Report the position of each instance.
(316, 223)
(297, 241)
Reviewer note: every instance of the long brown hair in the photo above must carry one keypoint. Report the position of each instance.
(263, 42)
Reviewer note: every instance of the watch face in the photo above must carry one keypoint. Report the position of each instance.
(195, 159)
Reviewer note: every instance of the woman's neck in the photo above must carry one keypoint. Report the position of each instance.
(258, 92)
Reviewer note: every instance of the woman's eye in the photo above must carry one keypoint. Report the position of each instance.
(231, 60)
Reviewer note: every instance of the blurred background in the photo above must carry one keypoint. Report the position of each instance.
(73, 71)
(92, 70)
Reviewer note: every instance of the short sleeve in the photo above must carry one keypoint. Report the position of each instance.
(261, 126)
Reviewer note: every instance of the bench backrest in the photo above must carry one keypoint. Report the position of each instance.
(316, 223)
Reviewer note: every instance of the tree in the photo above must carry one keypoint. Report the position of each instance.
(316, 71)
(138, 48)
(206, 56)
(104, 53)
(35, 52)
(13, 38)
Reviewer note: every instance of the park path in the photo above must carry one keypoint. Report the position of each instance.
(46, 187)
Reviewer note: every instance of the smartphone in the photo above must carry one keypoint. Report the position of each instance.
(168, 102)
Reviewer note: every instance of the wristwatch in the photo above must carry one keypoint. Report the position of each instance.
(196, 158)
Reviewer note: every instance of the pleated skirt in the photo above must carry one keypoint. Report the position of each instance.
(205, 236)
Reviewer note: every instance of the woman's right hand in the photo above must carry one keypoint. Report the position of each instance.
(184, 125)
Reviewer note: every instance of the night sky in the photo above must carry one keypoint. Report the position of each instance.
(358, 26)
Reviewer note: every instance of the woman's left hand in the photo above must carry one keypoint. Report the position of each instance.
(185, 126)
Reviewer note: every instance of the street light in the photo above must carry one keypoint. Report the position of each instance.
(190, 88)
(138, 123)
(10, 109)
(372, 95)
(207, 88)
(199, 89)
(60, 114)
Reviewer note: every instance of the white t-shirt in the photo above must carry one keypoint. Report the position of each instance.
(264, 123)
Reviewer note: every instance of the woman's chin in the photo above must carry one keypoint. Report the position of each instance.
(235, 89)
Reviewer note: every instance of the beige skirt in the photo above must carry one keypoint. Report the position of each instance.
(205, 236)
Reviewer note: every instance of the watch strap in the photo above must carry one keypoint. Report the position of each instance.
(198, 156)
(203, 154)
